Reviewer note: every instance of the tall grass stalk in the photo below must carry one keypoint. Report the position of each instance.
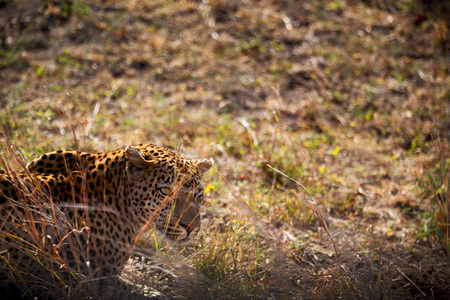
(438, 187)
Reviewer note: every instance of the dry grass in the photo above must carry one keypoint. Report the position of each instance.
(349, 98)
(37, 229)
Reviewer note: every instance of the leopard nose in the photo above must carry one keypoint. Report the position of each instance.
(191, 227)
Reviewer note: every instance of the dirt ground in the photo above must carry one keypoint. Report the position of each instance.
(351, 98)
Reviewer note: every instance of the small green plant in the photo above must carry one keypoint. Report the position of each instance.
(440, 186)
(80, 7)
(10, 57)
(336, 4)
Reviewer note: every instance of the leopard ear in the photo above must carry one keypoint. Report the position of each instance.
(136, 163)
(204, 165)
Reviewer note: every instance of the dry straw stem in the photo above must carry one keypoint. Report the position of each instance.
(412, 282)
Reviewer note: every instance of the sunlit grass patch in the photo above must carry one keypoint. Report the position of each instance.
(234, 258)
(435, 186)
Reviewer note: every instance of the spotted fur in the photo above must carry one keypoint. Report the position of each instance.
(109, 199)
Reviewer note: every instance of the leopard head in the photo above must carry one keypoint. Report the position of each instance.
(165, 189)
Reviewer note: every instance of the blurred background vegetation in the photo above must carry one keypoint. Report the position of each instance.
(349, 98)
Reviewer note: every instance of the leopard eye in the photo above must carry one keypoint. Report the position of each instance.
(164, 191)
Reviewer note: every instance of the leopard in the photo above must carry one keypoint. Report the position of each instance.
(102, 202)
